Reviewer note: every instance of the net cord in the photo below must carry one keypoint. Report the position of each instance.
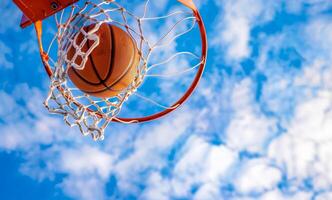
(63, 100)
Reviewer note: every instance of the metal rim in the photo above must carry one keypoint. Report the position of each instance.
(189, 91)
(176, 105)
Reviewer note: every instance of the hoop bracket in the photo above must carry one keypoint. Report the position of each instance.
(37, 10)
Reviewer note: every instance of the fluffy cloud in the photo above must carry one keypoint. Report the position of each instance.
(249, 129)
(304, 149)
(10, 16)
(235, 22)
(225, 143)
(93, 161)
(311, 6)
(89, 169)
(257, 176)
(5, 54)
(317, 32)
(201, 164)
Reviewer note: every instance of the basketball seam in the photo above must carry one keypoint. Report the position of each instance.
(103, 90)
(94, 66)
(127, 71)
(103, 81)
(111, 61)
(83, 78)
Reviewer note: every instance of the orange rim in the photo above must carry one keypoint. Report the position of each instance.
(177, 104)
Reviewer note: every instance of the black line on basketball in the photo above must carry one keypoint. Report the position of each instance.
(89, 60)
(94, 66)
(83, 79)
(127, 71)
(111, 67)
(111, 61)
(112, 56)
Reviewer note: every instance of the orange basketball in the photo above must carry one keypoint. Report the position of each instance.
(111, 66)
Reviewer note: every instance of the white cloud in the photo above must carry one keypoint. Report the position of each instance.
(318, 32)
(10, 16)
(13, 136)
(159, 188)
(201, 163)
(8, 103)
(85, 188)
(302, 100)
(233, 29)
(5, 52)
(88, 168)
(208, 191)
(30, 126)
(311, 6)
(86, 160)
(37, 127)
(302, 151)
(30, 46)
(324, 196)
(138, 156)
(278, 195)
(249, 129)
(257, 176)
(150, 147)
(313, 116)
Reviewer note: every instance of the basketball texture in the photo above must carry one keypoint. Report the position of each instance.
(111, 67)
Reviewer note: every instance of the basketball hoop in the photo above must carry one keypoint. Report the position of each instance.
(91, 114)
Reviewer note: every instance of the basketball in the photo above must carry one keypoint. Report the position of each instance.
(111, 67)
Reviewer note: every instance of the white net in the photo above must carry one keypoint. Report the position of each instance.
(91, 114)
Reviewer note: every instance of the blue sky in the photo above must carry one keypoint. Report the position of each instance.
(259, 126)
